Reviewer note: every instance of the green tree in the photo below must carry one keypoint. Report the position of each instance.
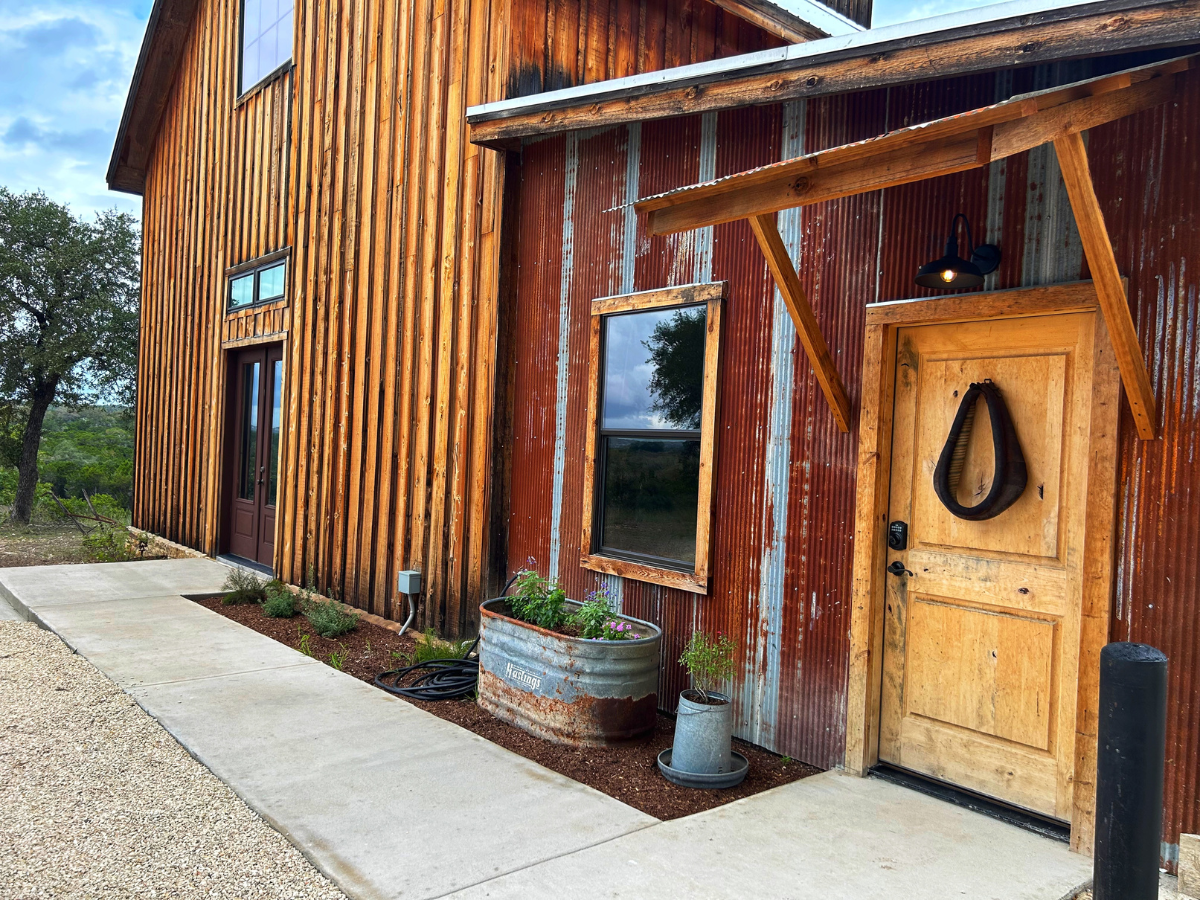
(68, 316)
(677, 355)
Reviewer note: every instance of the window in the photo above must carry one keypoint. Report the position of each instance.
(256, 282)
(266, 39)
(651, 449)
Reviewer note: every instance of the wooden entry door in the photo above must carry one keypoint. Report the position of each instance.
(257, 381)
(981, 642)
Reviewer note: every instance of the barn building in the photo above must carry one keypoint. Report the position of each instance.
(627, 289)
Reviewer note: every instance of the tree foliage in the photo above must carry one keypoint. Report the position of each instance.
(677, 354)
(68, 315)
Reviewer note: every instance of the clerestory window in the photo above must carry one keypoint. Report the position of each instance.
(266, 40)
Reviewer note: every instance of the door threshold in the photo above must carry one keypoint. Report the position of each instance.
(1022, 818)
(242, 563)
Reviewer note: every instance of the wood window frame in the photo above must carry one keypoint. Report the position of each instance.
(712, 295)
(864, 685)
(254, 267)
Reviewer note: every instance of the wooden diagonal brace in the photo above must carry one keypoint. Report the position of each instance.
(1072, 159)
(807, 329)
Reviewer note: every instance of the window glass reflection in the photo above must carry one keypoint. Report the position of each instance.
(654, 370)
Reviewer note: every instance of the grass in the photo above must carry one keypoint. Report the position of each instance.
(59, 543)
(433, 648)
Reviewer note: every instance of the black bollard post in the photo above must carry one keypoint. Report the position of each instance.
(1129, 772)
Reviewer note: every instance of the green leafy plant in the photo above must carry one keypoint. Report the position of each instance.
(279, 602)
(304, 648)
(328, 619)
(709, 660)
(337, 659)
(597, 620)
(108, 545)
(538, 601)
(244, 587)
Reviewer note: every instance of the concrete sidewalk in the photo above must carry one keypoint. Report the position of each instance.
(390, 801)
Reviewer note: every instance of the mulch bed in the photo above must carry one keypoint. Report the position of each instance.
(626, 772)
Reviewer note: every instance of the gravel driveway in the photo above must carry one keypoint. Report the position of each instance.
(98, 801)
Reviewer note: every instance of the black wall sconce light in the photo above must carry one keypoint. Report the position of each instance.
(952, 272)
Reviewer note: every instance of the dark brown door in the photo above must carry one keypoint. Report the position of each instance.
(257, 382)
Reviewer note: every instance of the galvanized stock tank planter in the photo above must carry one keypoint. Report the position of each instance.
(567, 689)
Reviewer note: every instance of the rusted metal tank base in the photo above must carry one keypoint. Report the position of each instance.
(588, 722)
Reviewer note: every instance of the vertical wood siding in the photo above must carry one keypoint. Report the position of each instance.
(783, 527)
(358, 160)
(560, 43)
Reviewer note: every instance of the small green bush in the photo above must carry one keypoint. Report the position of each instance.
(709, 660)
(538, 601)
(328, 619)
(108, 545)
(280, 603)
(244, 587)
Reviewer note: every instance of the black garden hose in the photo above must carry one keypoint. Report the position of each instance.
(437, 679)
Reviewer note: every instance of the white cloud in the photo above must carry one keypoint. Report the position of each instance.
(890, 12)
(65, 67)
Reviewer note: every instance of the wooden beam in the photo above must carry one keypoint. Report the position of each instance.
(1072, 159)
(809, 332)
(986, 47)
(943, 147)
(772, 19)
(804, 185)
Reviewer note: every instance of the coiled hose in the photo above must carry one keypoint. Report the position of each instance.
(437, 679)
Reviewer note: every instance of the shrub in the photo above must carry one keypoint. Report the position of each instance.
(538, 601)
(709, 660)
(329, 619)
(105, 544)
(280, 603)
(244, 587)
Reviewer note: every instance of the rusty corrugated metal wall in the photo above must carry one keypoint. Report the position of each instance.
(783, 525)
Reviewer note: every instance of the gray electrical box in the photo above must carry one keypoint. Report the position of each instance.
(409, 582)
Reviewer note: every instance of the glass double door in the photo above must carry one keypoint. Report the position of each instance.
(257, 400)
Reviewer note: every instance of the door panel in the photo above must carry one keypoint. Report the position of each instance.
(981, 637)
(256, 402)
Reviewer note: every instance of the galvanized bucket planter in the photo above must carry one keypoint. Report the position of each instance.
(566, 689)
(701, 756)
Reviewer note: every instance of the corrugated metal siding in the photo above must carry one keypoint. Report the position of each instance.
(781, 583)
(1147, 171)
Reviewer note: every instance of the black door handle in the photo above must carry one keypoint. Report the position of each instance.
(260, 474)
(897, 568)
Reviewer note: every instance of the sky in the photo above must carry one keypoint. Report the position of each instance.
(65, 67)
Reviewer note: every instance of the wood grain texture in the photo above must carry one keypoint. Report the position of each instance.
(1072, 158)
(805, 320)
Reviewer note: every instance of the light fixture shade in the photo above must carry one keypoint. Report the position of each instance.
(952, 272)
(962, 274)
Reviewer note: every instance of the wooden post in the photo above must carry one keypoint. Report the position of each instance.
(1072, 158)
(809, 332)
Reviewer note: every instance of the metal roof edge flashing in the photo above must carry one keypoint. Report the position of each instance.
(1000, 17)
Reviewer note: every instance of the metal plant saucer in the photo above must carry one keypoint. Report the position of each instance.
(732, 778)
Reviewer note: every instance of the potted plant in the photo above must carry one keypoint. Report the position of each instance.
(702, 755)
(572, 672)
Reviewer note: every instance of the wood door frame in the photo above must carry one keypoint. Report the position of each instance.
(864, 689)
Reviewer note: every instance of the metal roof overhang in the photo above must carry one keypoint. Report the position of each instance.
(1016, 33)
(944, 146)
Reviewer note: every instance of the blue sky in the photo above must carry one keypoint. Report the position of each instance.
(65, 67)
